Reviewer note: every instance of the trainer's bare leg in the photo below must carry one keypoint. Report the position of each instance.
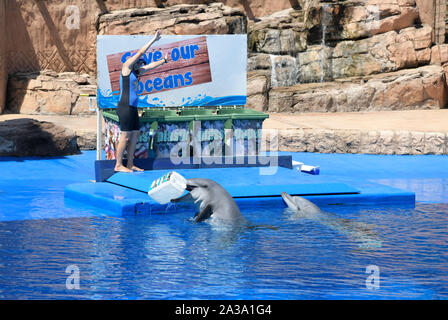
(125, 137)
(131, 150)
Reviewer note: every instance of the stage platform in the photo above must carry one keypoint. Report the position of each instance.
(126, 193)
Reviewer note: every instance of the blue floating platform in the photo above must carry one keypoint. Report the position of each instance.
(239, 182)
(126, 193)
(104, 169)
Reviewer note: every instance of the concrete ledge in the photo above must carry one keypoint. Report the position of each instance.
(411, 132)
(368, 142)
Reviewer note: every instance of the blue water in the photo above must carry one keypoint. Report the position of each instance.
(166, 256)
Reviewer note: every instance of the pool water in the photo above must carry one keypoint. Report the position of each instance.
(167, 256)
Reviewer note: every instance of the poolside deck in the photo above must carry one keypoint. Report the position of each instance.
(412, 132)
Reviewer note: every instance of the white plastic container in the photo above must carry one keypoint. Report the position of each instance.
(301, 167)
(170, 186)
(314, 170)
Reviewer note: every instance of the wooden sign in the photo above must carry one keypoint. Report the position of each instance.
(188, 65)
(207, 70)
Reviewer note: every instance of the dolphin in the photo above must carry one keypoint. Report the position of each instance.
(360, 232)
(212, 201)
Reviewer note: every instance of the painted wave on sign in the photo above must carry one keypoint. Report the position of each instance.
(110, 100)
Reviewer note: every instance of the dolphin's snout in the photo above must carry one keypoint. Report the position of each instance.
(289, 201)
(286, 197)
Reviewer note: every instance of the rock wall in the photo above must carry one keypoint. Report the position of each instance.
(3, 70)
(420, 88)
(49, 92)
(180, 19)
(55, 35)
(29, 137)
(60, 35)
(57, 91)
(433, 13)
(252, 8)
(366, 47)
(49, 35)
(339, 47)
(368, 142)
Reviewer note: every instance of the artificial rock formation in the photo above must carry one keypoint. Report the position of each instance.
(369, 142)
(335, 42)
(48, 92)
(29, 137)
(3, 62)
(420, 88)
(332, 56)
(345, 56)
(180, 19)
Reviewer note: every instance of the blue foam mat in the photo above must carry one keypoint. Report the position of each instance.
(126, 202)
(245, 184)
(108, 197)
(240, 182)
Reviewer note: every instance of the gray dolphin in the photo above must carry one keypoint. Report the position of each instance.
(211, 200)
(360, 232)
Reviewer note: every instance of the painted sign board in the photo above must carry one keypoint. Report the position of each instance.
(201, 70)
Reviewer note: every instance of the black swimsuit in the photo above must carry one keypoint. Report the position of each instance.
(127, 114)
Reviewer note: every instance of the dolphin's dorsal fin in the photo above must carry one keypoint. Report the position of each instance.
(204, 214)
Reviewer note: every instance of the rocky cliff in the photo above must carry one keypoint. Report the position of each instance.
(3, 70)
(346, 56)
(180, 19)
(326, 56)
(49, 92)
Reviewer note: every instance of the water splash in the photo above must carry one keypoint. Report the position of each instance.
(326, 21)
(284, 71)
(296, 73)
(274, 82)
(170, 207)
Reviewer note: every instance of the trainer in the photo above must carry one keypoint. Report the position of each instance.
(127, 111)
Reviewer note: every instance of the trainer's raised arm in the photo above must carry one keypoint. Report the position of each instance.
(153, 65)
(130, 62)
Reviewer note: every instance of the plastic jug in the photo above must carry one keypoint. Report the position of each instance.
(170, 186)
